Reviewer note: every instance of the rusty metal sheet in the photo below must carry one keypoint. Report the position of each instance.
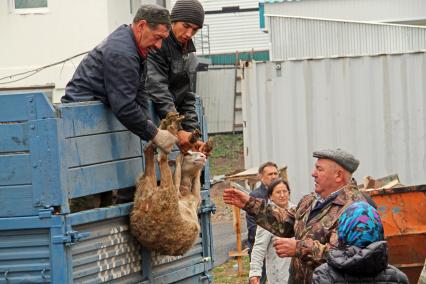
(402, 210)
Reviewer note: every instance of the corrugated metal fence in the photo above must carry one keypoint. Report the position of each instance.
(373, 106)
(299, 38)
(217, 87)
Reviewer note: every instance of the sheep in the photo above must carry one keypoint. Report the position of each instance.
(164, 218)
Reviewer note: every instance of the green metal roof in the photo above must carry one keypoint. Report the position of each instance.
(231, 58)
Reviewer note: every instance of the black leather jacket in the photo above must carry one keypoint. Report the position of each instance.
(168, 80)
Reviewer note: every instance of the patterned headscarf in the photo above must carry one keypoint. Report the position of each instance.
(359, 225)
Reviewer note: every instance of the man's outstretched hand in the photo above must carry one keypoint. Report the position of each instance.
(232, 196)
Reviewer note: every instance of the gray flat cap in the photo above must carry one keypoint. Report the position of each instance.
(344, 159)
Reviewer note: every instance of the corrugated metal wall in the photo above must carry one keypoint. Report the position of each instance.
(355, 10)
(109, 254)
(25, 256)
(216, 88)
(373, 106)
(294, 37)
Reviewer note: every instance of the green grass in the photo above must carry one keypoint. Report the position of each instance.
(227, 273)
(227, 155)
(227, 146)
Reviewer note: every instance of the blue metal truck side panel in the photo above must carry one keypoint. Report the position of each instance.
(14, 137)
(46, 168)
(23, 107)
(89, 118)
(30, 252)
(48, 155)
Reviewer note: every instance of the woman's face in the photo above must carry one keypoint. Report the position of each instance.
(280, 195)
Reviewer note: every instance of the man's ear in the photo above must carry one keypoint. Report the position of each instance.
(141, 24)
(340, 175)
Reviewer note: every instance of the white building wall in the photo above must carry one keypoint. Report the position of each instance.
(356, 10)
(69, 28)
(372, 106)
(215, 5)
(233, 32)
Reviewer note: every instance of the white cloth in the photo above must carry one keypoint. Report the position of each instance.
(277, 268)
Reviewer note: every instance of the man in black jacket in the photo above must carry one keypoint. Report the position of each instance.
(267, 173)
(114, 73)
(168, 81)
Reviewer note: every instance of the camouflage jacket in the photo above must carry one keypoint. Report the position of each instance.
(314, 237)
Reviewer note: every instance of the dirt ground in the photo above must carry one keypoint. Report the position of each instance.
(227, 158)
(228, 272)
(223, 212)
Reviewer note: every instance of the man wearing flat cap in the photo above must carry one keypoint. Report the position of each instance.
(168, 82)
(313, 223)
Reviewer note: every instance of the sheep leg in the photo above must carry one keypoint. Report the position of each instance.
(149, 174)
(178, 171)
(196, 188)
(166, 173)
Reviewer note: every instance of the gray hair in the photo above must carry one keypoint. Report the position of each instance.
(153, 14)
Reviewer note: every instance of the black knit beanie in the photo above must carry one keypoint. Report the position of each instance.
(190, 11)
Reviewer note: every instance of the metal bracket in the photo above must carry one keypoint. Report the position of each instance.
(208, 208)
(43, 273)
(277, 68)
(31, 108)
(70, 237)
(45, 212)
(207, 277)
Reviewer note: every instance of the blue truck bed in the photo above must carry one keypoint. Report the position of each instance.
(50, 154)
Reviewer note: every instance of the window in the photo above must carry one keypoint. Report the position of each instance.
(29, 6)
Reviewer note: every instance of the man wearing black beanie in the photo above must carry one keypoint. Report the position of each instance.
(168, 82)
(113, 73)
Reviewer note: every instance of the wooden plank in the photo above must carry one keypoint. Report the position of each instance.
(15, 169)
(46, 163)
(103, 177)
(14, 137)
(237, 227)
(99, 214)
(88, 118)
(27, 223)
(11, 196)
(22, 107)
(93, 149)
